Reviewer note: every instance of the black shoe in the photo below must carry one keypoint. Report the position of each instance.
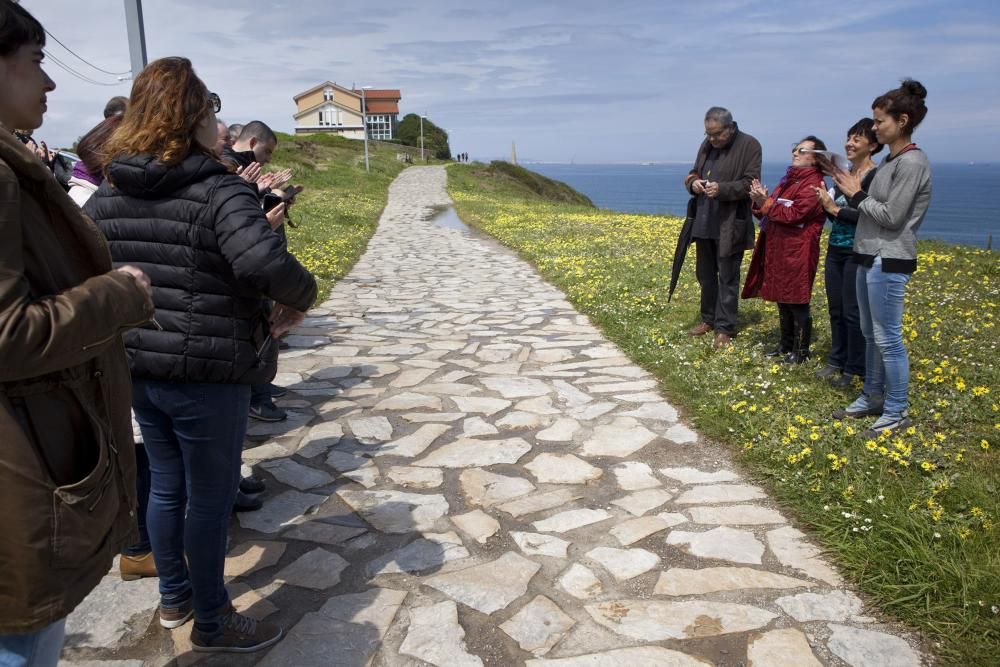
(251, 485)
(245, 503)
(278, 391)
(827, 371)
(268, 412)
(863, 406)
(845, 380)
(776, 352)
(282, 345)
(795, 357)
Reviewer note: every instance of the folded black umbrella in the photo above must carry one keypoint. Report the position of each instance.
(683, 241)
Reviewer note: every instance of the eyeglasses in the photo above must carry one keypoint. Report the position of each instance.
(214, 102)
(718, 134)
(801, 151)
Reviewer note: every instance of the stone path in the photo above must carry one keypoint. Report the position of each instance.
(472, 475)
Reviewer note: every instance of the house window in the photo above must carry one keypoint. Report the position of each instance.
(321, 118)
(380, 126)
(327, 95)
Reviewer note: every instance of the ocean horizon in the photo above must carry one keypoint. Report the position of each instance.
(964, 207)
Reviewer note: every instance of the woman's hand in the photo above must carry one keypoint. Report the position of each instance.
(276, 216)
(849, 184)
(826, 201)
(250, 173)
(283, 318)
(758, 192)
(141, 279)
(698, 186)
(711, 189)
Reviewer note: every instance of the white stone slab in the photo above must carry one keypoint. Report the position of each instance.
(471, 453)
(561, 431)
(318, 569)
(724, 543)
(370, 430)
(538, 502)
(640, 502)
(408, 401)
(695, 476)
(683, 581)
(490, 587)
(435, 636)
(319, 439)
(397, 511)
(474, 426)
(483, 405)
(790, 547)
(637, 656)
(538, 626)
(282, 510)
(580, 582)
(858, 647)
(295, 474)
(516, 387)
(415, 443)
(424, 553)
(623, 437)
(487, 488)
(623, 564)
(416, 478)
(571, 520)
(537, 544)
(778, 648)
(735, 515)
(477, 524)
(652, 620)
(562, 469)
(634, 476)
(633, 530)
(721, 493)
(833, 606)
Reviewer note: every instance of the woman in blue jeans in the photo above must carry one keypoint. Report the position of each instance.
(885, 245)
(168, 205)
(847, 343)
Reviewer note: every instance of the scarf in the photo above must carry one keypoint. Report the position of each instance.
(80, 171)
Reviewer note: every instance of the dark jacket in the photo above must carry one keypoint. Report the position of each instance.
(200, 234)
(67, 464)
(735, 168)
(783, 266)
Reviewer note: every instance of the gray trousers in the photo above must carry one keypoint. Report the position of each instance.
(719, 278)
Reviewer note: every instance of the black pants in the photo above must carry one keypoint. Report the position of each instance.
(847, 343)
(796, 327)
(719, 278)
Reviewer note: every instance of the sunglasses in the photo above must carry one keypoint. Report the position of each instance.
(214, 102)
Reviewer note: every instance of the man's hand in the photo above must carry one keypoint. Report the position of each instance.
(848, 183)
(281, 177)
(283, 318)
(141, 279)
(698, 186)
(711, 189)
(276, 216)
(250, 173)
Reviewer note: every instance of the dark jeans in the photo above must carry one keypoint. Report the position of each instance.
(847, 343)
(194, 439)
(260, 394)
(142, 482)
(719, 278)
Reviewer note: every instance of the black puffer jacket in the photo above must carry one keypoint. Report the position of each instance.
(199, 233)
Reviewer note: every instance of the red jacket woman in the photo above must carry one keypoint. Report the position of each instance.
(783, 267)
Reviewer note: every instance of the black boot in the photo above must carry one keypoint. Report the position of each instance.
(803, 337)
(787, 333)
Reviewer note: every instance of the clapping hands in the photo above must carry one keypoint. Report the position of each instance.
(758, 192)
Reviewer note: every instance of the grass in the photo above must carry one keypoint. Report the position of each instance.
(911, 517)
(337, 212)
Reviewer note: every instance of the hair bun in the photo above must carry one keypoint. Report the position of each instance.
(914, 87)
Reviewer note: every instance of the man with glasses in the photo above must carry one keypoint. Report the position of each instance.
(728, 161)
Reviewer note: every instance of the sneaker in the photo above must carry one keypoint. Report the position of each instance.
(251, 485)
(136, 567)
(827, 371)
(175, 617)
(278, 391)
(863, 406)
(238, 634)
(845, 380)
(268, 412)
(245, 503)
(887, 423)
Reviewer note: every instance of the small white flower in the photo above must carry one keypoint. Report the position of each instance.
(937, 536)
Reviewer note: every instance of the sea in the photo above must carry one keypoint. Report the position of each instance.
(965, 199)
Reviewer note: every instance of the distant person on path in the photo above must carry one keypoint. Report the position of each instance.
(785, 259)
(169, 204)
(67, 474)
(847, 342)
(728, 161)
(890, 212)
(87, 174)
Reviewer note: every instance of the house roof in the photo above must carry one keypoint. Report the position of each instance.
(325, 84)
(381, 106)
(322, 105)
(380, 94)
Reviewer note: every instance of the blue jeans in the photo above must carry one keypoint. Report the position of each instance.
(194, 440)
(887, 366)
(36, 649)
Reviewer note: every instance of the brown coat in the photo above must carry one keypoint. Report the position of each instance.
(737, 165)
(67, 463)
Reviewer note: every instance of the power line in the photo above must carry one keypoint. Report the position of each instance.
(56, 39)
(75, 73)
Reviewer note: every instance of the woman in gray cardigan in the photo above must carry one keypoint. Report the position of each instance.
(885, 245)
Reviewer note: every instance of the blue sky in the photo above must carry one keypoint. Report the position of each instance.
(584, 80)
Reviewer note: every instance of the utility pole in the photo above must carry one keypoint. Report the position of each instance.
(136, 36)
(513, 153)
(422, 137)
(364, 120)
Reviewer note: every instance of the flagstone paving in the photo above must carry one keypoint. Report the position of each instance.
(472, 475)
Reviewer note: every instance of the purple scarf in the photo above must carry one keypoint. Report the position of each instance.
(80, 171)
